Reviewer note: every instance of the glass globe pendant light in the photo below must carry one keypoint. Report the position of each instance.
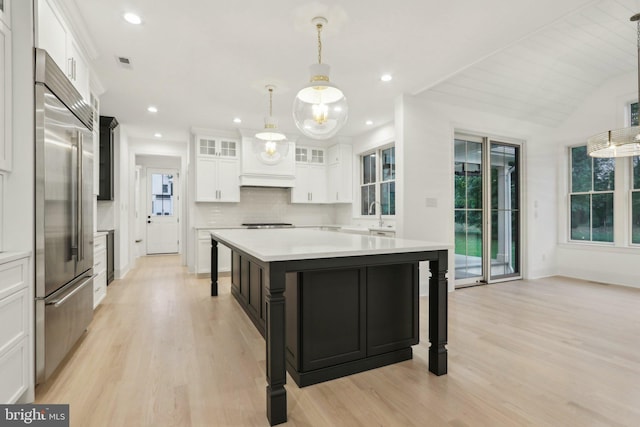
(272, 147)
(623, 142)
(320, 108)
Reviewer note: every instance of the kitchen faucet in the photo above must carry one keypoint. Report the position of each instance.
(379, 212)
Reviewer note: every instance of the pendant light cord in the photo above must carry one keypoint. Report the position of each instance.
(319, 27)
(270, 102)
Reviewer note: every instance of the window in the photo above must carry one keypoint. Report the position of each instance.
(635, 201)
(162, 194)
(378, 182)
(591, 197)
(635, 184)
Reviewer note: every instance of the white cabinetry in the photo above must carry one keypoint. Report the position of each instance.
(54, 36)
(5, 12)
(311, 176)
(95, 105)
(99, 268)
(15, 329)
(5, 89)
(203, 259)
(340, 174)
(217, 170)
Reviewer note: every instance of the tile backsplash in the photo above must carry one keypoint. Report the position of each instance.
(265, 204)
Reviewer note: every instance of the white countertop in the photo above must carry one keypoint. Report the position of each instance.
(286, 244)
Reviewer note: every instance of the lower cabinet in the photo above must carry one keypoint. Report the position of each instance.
(203, 255)
(247, 285)
(15, 330)
(99, 268)
(339, 320)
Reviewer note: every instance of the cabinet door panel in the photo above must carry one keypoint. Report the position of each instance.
(5, 98)
(392, 307)
(333, 331)
(206, 180)
(300, 193)
(52, 33)
(228, 180)
(255, 290)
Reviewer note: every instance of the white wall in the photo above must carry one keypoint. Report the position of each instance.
(424, 154)
(609, 263)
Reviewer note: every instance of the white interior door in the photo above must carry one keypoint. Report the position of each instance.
(162, 211)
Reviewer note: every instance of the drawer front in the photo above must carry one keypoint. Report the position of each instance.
(99, 243)
(99, 261)
(13, 277)
(13, 319)
(14, 373)
(99, 288)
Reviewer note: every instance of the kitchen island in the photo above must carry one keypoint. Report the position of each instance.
(351, 302)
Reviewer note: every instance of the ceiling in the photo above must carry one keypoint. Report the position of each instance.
(203, 62)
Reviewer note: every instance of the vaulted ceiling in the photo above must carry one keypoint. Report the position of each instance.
(203, 62)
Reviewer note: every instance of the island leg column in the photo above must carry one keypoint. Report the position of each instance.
(274, 334)
(438, 308)
(214, 268)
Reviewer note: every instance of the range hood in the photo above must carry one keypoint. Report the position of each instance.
(258, 169)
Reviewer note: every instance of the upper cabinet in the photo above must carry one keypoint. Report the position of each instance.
(54, 36)
(311, 176)
(5, 88)
(340, 173)
(105, 159)
(217, 169)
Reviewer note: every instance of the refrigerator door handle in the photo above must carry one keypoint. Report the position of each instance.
(61, 301)
(80, 231)
(75, 195)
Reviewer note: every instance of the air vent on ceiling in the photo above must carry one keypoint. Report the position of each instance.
(124, 62)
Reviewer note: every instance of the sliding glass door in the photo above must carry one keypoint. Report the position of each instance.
(487, 210)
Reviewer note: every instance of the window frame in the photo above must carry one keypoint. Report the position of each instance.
(590, 193)
(378, 182)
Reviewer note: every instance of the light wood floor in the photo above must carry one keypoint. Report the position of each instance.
(162, 352)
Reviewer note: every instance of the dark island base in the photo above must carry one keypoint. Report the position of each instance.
(384, 326)
(303, 379)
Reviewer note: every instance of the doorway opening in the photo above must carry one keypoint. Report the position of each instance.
(487, 183)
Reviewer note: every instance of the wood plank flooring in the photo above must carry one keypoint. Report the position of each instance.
(162, 352)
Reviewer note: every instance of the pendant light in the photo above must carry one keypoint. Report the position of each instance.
(320, 108)
(619, 142)
(270, 132)
(274, 148)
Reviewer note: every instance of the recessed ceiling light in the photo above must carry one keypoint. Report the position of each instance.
(157, 135)
(132, 18)
(152, 109)
(237, 120)
(368, 122)
(386, 77)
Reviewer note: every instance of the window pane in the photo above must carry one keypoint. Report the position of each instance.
(634, 114)
(581, 167)
(636, 172)
(367, 197)
(389, 164)
(474, 233)
(602, 217)
(580, 219)
(603, 174)
(460, 184)
(635, 217)
(474, 187)
(388, 195)
(162, 194)
(368, 168)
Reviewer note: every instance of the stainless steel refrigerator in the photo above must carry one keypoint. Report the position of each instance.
(64, 215)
